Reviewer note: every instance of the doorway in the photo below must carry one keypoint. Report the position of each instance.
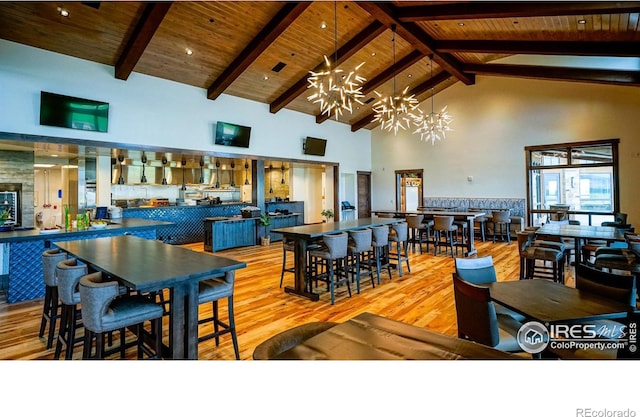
(364, 194)
(409, 189)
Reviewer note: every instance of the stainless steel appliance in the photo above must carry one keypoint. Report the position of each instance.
(10, 200)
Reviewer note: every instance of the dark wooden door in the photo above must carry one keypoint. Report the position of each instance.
(364, 194)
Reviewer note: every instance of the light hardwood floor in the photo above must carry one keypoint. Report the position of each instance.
(423, 298)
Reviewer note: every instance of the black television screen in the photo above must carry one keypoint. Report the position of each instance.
(232, 135)
(72, 112)
(314, 146)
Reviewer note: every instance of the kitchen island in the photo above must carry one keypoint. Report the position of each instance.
(21, 252)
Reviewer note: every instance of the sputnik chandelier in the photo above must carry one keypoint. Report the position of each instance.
(433, 126)
(395, 112)
(333, 89)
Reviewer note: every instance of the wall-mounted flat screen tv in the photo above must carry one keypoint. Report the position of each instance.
(229, 134)
(314, 146)
(73, 112)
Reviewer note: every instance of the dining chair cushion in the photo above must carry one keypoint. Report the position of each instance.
(214, 289)
(68, 274)
(361, 240)
(401, 232)
(476, 270)
(380, 236)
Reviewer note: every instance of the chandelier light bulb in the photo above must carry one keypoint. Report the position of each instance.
(433, 126)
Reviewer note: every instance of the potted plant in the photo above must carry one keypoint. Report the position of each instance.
(4, 215)
(265, 221)
(327, 214)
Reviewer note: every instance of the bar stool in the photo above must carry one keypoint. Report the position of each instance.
(287, 246)
(443, 228)
(211, 291)
(52, 306)
(105, 309)
(334, 259)
(502, 222)
(420, 230)
(480, 223)
(400, 238)
(534, 259)
(380, 248)
(68, 274)
(359, 250)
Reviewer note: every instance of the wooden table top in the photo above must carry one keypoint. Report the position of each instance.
(311, 231)
(372, 337)
(581, 231)
(547, 301)
(147, 265)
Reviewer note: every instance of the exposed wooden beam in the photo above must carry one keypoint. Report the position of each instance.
(142, 34)
(412, 33)
(280, 22)
(367, 35)
(406, 62)
(419, 89)
(488, 10)
(623, 49)
(599, 76)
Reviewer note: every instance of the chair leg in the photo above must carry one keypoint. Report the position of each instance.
(284, 265)
(216, 320)
(62, 331)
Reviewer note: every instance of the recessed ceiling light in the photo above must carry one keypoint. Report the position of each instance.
(582, 21)
(409, 75)
(43, 165)
(63, 12)
(373, 54)
(460, 24)
(266, 78)
(188, 51)
(54, 155)
(323, 25)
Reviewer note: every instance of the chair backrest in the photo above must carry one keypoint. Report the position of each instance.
(501, 216)
(284, 341)
(402, 231)
(362, 239)
(444, 223)
(476, 270)
(475, 312)
(525, 238)
(415, 221)
(96, 295)
(337, 244)
(617, 287)
(347, 206)
(620, 217)
(51, 258)
(68, 274)
(380, 235)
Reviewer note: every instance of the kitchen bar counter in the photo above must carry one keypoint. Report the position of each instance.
(21, 260)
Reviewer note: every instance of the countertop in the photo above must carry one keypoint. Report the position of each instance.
(115, 224)
(238, 218)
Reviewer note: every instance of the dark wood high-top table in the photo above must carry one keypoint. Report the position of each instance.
(303, 235)
(150, 265)
(469, 216)
(548, 302)
(580, 233)
(372, 337)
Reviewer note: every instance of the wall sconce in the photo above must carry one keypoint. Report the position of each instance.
(143, 179)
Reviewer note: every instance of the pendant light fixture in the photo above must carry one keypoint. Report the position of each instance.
(433, 126)
(164, 164)
(270, 186)
(233, 174)
(143, 179)
(201, 180)
(217, 174)
(246, 173)
(282, 174)
(395, 112)
(331, 88)
(120, 160)
(184, 163)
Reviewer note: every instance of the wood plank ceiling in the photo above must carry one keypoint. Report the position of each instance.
(263, 50)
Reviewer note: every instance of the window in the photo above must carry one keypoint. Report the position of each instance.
(577, 178)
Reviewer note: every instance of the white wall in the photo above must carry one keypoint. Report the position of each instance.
(493, 121)
(149, 111)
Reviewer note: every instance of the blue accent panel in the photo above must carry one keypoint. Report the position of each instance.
(188, 221)
(26, 281)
